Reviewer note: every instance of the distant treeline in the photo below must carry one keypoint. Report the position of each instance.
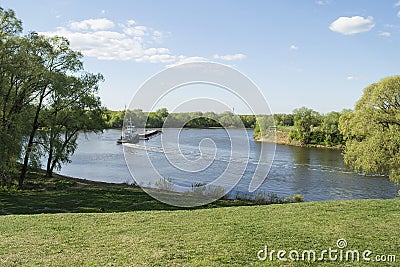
(162, 118)
(308, 126)
(305, 125)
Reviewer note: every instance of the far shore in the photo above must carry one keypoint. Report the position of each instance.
(282, 138)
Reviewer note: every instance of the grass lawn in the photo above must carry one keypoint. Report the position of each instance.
(63, 194)
(144, 232)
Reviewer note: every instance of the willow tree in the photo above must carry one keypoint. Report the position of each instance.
(72, 107)
(57, 60)
(44, 94)
(372, 130)
(16, 89)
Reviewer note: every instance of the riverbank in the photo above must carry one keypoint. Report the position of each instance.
(230, 236)
(282, 137)
(68, 194)
(47, 224)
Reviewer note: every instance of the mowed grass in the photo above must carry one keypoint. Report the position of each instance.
(223, 236)
(64, 194)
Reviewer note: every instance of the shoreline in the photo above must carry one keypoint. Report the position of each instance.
(282, 138)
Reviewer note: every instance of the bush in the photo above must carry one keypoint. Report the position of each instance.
(165, 184)
(260, 198)
(298, 198)
(9, 188)
(215, 192)
(198, 188)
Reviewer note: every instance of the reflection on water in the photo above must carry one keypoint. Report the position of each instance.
(317, 174)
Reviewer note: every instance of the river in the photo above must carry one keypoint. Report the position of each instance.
(317, 174)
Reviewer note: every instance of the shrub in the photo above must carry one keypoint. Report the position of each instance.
(165, 184)
(199, 188)
(260, 198)
(9, 188)
(298, 198)
(215, 192)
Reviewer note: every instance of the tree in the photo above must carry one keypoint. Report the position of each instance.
(114, 119)
(284, 119)
(330, 128)
(305, 120)
(73, 108)
(16, 88)
(137, 117)
(229, 119)
(249, 121)
(372, 131)
(263, 125)
(57, 60)
(46, 98)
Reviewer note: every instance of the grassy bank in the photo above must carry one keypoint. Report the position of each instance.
(130, 228)
(207, 237)
(65, 194)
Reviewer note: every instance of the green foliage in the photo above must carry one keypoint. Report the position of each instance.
(162, 118)
(298, 198)
(330, 128)
(307, 126)
(215, 191)
(284, 119)
(264, 124)
(249, 121)
(165, 184)
(45, 98)
(199, 188)
(305, 120)
(113, 119)
(10, 189)
(14, 68)
(372, 130)
(263, 198)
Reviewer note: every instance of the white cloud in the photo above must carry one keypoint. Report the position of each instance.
(158, 58)
(105, 40)
(101, 39)
(95, 38)
(92, 24)
(385, 34)
(397, 4)
(352, 25)
(136, 31)
(398, 14)
(351, 78)
(322, 2)
(184, 59)
(294, 47)
(230, 57)
(131, 22)
(158, 36)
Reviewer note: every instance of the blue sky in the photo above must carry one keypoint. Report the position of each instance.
(319, 54)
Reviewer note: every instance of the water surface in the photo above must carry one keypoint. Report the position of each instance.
(317, 174)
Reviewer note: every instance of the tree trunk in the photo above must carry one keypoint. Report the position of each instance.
(55, 160)
(26, 159)
(30, 141)
(49, 167)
